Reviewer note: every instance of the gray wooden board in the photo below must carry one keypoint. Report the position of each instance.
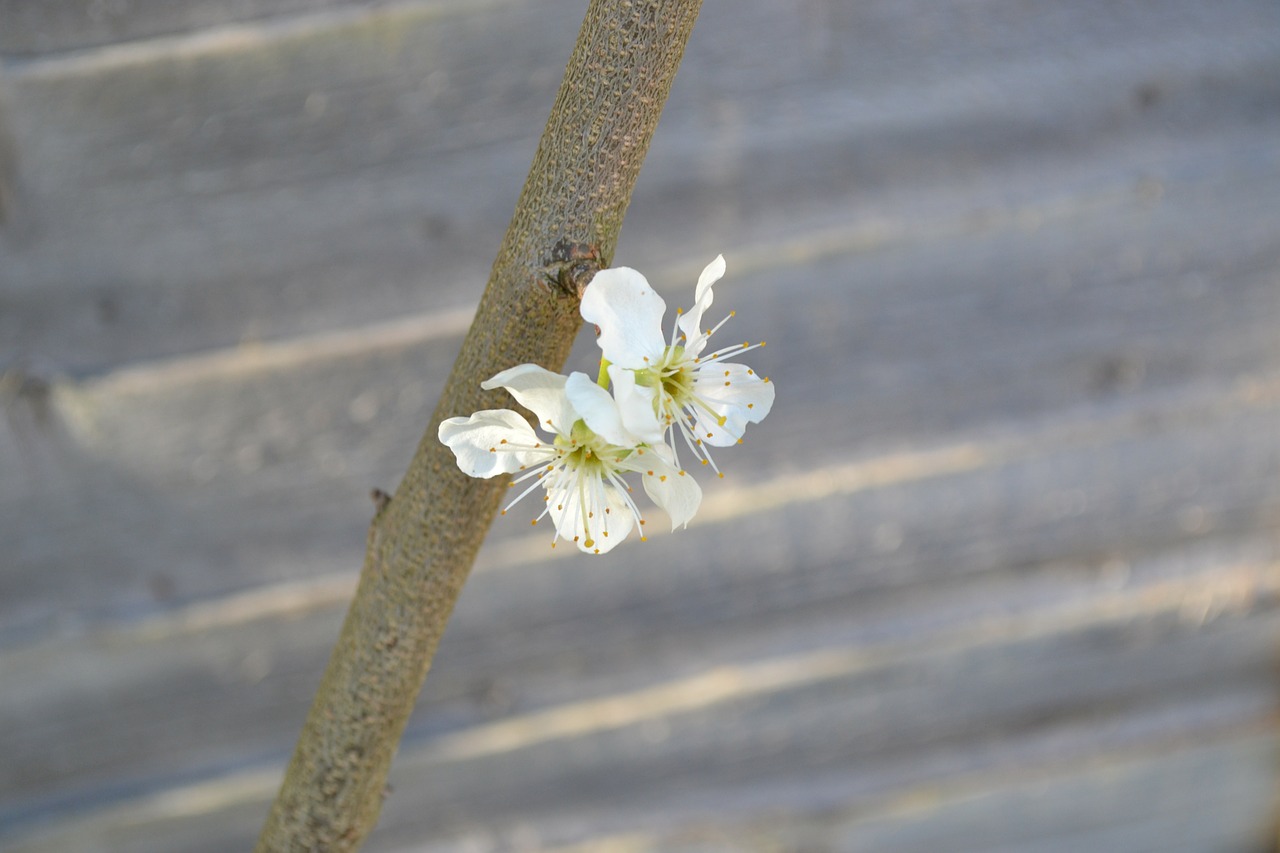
(32, 29)
(241, 473)
(1121, 669)
(999, 570)
(526, 637)
(1204, 797)
(1210, 797)
(330, 175)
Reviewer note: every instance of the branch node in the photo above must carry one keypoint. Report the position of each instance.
(571, 266)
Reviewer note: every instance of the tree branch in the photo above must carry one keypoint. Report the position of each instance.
(422, 542)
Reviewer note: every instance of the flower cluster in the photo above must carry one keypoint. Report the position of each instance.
(665, 392)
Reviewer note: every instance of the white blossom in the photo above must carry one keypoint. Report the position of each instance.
(668, 386)
(580, 467)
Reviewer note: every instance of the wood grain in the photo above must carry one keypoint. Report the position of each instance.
(1000, 568)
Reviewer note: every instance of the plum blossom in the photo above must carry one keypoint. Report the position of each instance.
(580, 467)
(669, 386)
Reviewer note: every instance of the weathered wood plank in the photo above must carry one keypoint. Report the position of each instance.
(832, 726)
(1009, 540)
(269, 455)
(1206, 797)
(66, 25)
(756, 570)
(193, 199)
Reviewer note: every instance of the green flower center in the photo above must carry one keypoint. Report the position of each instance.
(674, 375)
(585, 451)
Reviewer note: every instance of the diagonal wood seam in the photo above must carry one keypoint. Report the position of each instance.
(849, 240)
(1227, 588)
(839, 479)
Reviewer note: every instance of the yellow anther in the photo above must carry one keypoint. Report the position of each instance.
(663, 478)
(591, 515)
(750, 372)
(606, 533)
(493, 450)
(588, 543)
(726, 382)
(726, 373)
(504, 512)
(534, 522)
(504, 441)
(751, 405)
(681, 473)
(720, 474)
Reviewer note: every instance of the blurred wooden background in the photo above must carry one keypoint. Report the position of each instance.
(1001, 572)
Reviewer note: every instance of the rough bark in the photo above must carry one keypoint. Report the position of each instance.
(422, 542)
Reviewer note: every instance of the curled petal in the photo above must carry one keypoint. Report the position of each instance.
(637, 406)
(590, 513)
(712, 273)
(538, 390)
(690, 323)
(594, 405)
(490, 442)
(675, 491)
(629, 314)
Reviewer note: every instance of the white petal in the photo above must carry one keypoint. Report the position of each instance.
(603, 530)
(724, 386)
(712, 273)
(690, 322)
(636, 405)
(479, 442)
(540, 391)
(745, 399)
(675, 491)
(629, 314)
(594, 405)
